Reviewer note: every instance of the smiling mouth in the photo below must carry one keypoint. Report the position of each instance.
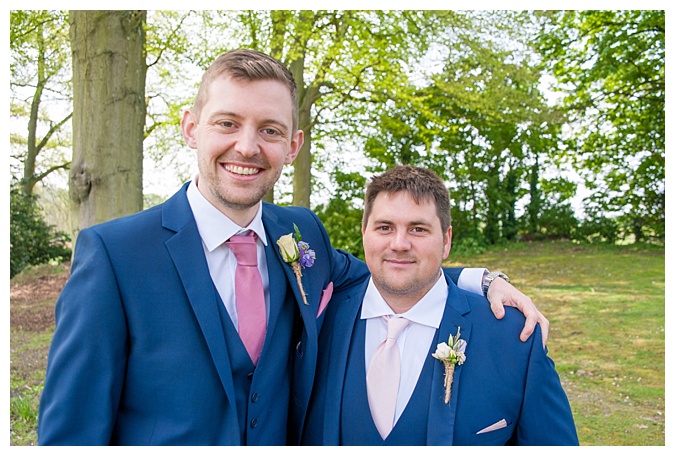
(399, 261)
(241, 170)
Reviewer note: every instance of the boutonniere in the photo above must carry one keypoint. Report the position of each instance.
(450, 354)
(298, 254)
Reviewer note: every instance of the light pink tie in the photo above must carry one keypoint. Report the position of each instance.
(384, 376)
(249, 294)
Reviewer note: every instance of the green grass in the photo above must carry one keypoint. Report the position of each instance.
(606, 305)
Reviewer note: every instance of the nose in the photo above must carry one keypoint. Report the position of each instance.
(400, 241)
(247, 142)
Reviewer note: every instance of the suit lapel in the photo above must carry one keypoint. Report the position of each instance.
(186, 250)
(278, 268)
(441, 423)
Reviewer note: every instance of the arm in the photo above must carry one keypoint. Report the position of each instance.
(501, 293)
(87, 358)
(546, 417)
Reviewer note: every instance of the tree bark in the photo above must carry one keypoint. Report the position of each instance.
(106, 176)
(302, 165)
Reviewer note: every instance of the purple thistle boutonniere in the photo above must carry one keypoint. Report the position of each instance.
(298, 254)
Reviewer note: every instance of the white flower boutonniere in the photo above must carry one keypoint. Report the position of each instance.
(298, 254)
(450, 354)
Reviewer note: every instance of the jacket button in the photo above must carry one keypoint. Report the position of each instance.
(254, 423)
(255, 397)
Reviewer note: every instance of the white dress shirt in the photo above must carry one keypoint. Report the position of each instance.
(415, 340)
(215, 228)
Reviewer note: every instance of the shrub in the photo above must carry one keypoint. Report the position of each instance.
(31, 240)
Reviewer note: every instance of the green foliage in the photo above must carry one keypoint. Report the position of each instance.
(473, 243)
(32, 240)
(40, 89)
(599, 229)
(610, 64)
(558, 221)
(457, 91)
(341, 217)
(23, 413)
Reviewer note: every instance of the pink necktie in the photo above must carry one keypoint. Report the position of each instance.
(249, 294)
(384, 376)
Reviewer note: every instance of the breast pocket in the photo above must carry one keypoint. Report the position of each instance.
(498, 437)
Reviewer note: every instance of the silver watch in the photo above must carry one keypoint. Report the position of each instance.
(488, 278)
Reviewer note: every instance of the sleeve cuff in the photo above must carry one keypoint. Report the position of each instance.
(471, 280)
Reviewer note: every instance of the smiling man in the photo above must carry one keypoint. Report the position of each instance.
(386, 343)
(184, 324)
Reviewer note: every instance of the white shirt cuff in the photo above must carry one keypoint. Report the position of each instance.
(471, 280)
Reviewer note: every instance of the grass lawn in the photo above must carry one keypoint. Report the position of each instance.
(606, 305)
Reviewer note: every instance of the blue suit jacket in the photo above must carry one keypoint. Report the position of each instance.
(502, 378)
(139, 355)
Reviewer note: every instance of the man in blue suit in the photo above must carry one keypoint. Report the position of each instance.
(457, 375)
(147, 348)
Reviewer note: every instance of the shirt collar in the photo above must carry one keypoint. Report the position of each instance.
(427, 311)
(214, 226)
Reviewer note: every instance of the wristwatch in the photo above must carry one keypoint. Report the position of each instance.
(488, 278)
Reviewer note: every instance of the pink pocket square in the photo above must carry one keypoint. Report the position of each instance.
(493, 427)
(325, 297)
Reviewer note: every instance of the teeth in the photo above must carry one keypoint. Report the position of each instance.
(241, 170)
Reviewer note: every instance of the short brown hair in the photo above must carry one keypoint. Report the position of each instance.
(421, 183)
(247, 65)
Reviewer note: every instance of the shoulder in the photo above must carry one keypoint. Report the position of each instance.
(288, 212)
(125, 225)
(505, 331)
(307, 221)
(175, 212)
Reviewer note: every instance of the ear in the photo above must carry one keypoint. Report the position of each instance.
(447, 242)
(188, 126)
(296, 143)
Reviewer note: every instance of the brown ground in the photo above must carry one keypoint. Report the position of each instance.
(32, 303)
(32, 319)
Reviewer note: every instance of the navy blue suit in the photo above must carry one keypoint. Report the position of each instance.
(144, 352)
(501, 379)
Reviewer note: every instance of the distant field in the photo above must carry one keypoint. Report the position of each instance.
(606, 305)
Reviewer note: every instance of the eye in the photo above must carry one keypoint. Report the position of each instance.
(271, 131)
(419, 229)
(226, 124)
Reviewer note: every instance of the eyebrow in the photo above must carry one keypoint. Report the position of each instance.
(411, 223)
(278, 123)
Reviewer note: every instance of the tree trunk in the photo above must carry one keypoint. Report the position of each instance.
(302, 173)
(29, 181)
(106, 176)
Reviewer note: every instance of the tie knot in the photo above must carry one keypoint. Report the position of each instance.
(395, 326)
(244, 249)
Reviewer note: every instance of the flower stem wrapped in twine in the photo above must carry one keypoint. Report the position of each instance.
(298, 255)
(297, 269)
(449, 374)
(450, 354)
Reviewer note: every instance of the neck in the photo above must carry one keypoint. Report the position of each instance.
(242, 217)
(404, 300)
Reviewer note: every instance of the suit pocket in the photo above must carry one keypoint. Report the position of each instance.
(496, 438)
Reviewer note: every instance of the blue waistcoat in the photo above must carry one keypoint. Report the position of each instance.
(356, 422)
(254, 405)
